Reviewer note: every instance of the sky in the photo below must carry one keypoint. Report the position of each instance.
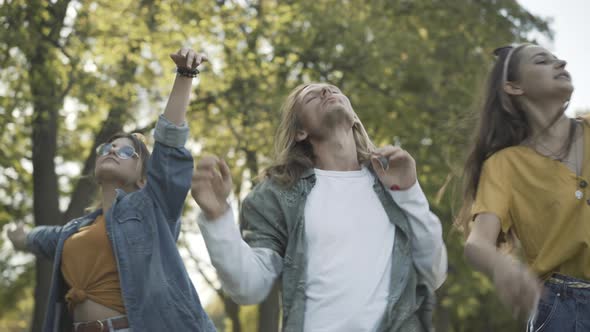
(571, 26)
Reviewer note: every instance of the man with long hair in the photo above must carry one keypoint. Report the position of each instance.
(343, 223)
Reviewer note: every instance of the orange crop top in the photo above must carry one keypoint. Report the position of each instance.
(89, 268)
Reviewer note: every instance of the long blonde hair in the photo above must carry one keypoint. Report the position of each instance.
(292, 158)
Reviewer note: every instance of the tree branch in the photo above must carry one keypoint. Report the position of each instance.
(198, 262)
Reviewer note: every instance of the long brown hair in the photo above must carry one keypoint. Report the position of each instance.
(292, 158)
(502, 123)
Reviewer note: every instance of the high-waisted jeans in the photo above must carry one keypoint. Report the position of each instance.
(564, 306)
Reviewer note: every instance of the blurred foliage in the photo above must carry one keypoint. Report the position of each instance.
(248, 316)
(411, 68)
(17, 319)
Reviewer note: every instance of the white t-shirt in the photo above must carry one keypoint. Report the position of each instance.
(349, 243)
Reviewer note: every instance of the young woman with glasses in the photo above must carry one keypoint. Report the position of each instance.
(527, 186)
(118, 268)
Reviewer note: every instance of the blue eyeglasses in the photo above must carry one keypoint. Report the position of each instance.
(123, 152)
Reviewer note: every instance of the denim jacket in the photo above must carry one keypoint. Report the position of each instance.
(143, 228)
(272, 216)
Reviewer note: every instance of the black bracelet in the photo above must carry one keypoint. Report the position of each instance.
(187, 72)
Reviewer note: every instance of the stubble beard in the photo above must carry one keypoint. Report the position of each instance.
(338, 116)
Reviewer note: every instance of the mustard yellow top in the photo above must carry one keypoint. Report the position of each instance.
(535, 196)
(89, 268)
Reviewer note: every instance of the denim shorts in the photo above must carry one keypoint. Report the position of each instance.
(564, 306)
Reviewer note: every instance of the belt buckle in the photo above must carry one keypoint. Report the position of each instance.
(100, 325)
(99, 322)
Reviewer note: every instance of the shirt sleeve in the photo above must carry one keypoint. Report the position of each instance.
(170, 134)
(170, 169)
(494, 192)
(247, 274)
(428, 248)
(42, 240)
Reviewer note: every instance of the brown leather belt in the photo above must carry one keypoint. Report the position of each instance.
(102, 325)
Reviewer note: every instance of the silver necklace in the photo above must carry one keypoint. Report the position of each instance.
(580, 184)
(579, 193)
(557, 156)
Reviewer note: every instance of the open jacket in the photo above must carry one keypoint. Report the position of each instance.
(143, 228)
(272, 216)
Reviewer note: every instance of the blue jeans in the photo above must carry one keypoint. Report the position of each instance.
(564, 306)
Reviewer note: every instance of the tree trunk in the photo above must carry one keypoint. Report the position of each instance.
(233, 312)
(443, 319)
(47, 95)
(47, 92)
(46, 104)
(269, 311)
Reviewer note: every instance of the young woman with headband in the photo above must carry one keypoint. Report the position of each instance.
(527, 186)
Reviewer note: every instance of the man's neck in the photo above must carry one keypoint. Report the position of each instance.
(337, 152)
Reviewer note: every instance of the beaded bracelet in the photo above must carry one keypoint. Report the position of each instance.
(187, 72)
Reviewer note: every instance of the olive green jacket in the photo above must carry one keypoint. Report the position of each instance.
(272, 216)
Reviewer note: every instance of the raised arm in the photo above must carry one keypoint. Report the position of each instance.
(397, 171)
(247, 274)
(186, 61)
(170, 166)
